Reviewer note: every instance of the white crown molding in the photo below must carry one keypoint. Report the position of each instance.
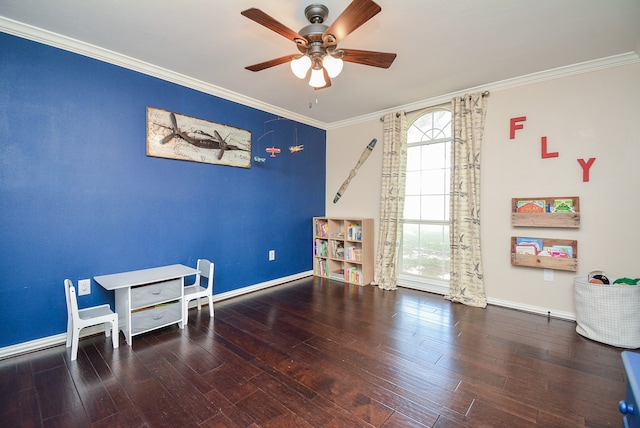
(529, 79)
(39, 35)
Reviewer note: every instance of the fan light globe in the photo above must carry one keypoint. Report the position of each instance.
(333, 65)
(300, 66)
(317, 78)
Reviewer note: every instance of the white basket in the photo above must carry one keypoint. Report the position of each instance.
(608, 313)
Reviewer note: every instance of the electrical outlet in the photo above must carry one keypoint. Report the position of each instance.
(84, 287)
(272, 255)
(548, 274)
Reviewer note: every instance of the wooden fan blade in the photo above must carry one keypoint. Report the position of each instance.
(270, 63)
(326, 79)
(263, 19)
(356, 14)
(375, 59)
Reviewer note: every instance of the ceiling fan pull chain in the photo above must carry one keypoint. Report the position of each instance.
(311, 102)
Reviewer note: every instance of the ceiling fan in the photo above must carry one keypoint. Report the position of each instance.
(318, 43)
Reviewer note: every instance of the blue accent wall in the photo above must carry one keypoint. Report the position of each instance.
(79, 197)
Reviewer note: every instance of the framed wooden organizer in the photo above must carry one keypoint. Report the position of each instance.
(556, 211)
(343, 249)
(559, 254)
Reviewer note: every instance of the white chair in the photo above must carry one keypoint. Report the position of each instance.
(197, 290)
(77, 319)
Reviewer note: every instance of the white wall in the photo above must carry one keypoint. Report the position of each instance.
(344, 147)
(594, 114)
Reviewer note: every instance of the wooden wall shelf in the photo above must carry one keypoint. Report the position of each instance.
(546, 219)
(547, 262)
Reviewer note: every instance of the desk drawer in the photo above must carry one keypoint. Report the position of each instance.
(158, 316)
(147, 295)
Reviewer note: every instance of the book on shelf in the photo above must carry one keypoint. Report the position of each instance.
(354, 253)
(563, 206)
(568, 249)
(337, 274)
(322, 228)
(354, 275)
(530, 206)
(563, 251)
(337, 249)
(320, 248)
(354, 232)
(525, 245)
(321, 267)
(526, 249)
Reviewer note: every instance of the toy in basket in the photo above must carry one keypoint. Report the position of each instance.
(607, 313)
(597, 277)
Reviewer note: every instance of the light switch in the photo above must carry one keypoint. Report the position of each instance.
(84, 287)
(548, 274)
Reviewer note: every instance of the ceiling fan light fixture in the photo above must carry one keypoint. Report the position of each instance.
(317, 42)
(333, 65)
(317, 78)
(300, 66)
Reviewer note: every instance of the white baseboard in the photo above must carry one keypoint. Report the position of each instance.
(260, 286)
(533, 309)
(58, 339)
(34, 345)
(444, 290)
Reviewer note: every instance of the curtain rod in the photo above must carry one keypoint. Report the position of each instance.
(484, 94)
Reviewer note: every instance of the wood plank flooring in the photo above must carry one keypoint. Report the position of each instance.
(318, 353)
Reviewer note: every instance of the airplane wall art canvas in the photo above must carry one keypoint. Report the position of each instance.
(176, 136)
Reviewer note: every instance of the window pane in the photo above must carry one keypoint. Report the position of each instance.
(412, 207)
(410, 256)
(414, 134)
(442, 121)
(447, 199)
(424, 123)
(447, 152)
(412, 186)
(431, 237)
(447, 181)
(434, 250)
(433, 156)
(413, 158)
(446, 240)
(432, 207)
(432, 182)
(425, 250)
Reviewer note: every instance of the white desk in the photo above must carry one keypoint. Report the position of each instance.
(148, 299)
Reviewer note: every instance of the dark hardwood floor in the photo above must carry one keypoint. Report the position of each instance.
(316, 353)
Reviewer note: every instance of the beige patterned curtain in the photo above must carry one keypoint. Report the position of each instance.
(466, 284)
(394, 167)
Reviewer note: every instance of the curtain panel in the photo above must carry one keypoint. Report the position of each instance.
(466, 283)
(394, 167)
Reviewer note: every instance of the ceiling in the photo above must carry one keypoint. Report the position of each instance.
(444, 47)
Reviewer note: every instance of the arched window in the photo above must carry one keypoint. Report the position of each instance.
(425, 249)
